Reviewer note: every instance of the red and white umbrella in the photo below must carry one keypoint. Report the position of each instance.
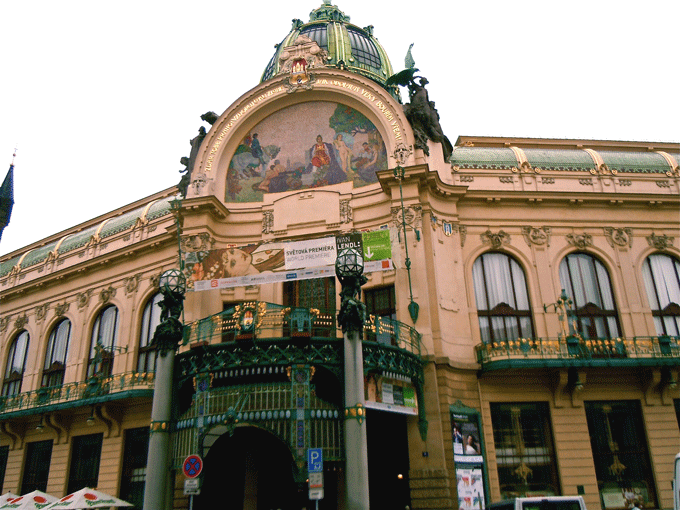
(6, 497)
(36, 500)
(86, 498)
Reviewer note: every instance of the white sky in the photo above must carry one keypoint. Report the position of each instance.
(102, 98)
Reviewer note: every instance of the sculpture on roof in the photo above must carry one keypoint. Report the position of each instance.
(183, 186)
(420, 111)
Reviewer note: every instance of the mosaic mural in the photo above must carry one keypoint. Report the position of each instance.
(307, 145)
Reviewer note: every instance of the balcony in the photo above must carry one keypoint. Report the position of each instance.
(575, 351)
(96, 390)
(255, 336)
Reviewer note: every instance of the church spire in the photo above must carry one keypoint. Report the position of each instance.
(7, 196)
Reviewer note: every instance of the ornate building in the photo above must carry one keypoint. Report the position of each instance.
(522, 299)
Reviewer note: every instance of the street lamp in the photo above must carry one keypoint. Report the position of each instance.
(166, 339)
(349, 268)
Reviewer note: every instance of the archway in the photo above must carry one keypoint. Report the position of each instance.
(250, 470)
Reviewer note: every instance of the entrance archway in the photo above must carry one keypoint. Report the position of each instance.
(250, 470)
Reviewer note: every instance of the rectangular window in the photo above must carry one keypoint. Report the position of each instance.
(4, 453)
(622, 465)
(381, 304)
(134, 466)
(318, 293)
(85, 454)
(37, 466)
(524, 449)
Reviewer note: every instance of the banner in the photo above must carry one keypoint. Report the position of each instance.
(257, 264)
(390, 394)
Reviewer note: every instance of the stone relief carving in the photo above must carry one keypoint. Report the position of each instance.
(619, 236)
(496, 239)
(581, 241)
(41, 311)
(21, 321)
(346, 212)
(402, 153)
(298, 59)
(83, 298)
(60, 309)
(505, 180)
(198, 242)
(412, 216)
(267, 222)
(106, 294)
(155, 280)
(4, 322)
(463, 235)
(537, 236)
(660, 242)
(131, 284)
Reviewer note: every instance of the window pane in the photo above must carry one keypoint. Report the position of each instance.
(85, 454)
(619, 446)
(37, 466)
(661, 275)
(134, 466)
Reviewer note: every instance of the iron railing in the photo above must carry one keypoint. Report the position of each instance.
(261, 320)
(575, 351)
(77, 393)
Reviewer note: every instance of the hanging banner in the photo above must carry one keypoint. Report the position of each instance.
(390, 394)
(257, 264)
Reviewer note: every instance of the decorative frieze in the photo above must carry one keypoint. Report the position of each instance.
(585, 182)
(581, 241)
(267, 222)
(538, 236)
(619, 236)
(663, 184)
(660, 242)
(467, 178)
(497, 239)
(346, 212)
(505, 180)
(547, 180)
(625, 182)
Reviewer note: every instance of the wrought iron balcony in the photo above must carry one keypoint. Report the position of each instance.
(574, 351)
(95, 390)
(257, 335)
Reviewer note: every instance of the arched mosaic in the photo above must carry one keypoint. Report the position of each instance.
(303, 146)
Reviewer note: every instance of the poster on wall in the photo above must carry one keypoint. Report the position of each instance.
(304, 146)
(257, 264)
(468, 455)
(390, 394)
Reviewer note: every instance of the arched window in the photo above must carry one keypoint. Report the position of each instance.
(502, 298)
(146, 360)
(661, 274)
(16, 363)
(55, 357)
(104, 339)
(587, 283)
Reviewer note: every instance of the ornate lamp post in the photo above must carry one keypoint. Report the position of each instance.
(349, 268)
(166, 339)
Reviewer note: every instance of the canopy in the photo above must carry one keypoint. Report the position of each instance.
(36, 500)
(87, 498)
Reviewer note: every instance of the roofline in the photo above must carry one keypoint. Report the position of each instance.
(559, 143)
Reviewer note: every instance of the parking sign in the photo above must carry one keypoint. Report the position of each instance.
(314, 460)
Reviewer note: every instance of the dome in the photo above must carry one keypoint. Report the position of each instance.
(348, 46)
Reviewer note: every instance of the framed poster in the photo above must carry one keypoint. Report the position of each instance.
(468, 456)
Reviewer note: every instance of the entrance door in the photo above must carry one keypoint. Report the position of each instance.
(251, 470)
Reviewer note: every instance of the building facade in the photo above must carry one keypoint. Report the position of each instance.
(522, 298)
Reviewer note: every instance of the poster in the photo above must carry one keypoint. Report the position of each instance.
(468, 454)
(390, 394)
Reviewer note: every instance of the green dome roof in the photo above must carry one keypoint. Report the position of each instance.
(348, 46)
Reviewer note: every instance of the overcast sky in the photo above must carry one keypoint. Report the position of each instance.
(102, 98)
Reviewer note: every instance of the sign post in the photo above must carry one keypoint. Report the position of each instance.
(315, 472)
(192, 467)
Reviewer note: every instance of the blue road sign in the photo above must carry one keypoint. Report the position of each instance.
(314, 460)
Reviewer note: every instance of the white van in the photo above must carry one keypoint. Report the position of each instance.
(541, 503)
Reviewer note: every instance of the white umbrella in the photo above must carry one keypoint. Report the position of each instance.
(36, 500)
(87, 498)
(6, 497)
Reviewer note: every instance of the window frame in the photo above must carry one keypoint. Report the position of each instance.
(12, 380)
(103, 366)
(502, 313)
(669, 314)
(54, 367)
(589, 315)
(151, 318)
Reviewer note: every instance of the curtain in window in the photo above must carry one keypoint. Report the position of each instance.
(502, 298)
(104, 335)
(55, 356)
(146, 361)
(661, 275)
(16, 363)
(587, 283)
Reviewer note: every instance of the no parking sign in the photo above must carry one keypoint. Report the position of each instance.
(192, 466)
